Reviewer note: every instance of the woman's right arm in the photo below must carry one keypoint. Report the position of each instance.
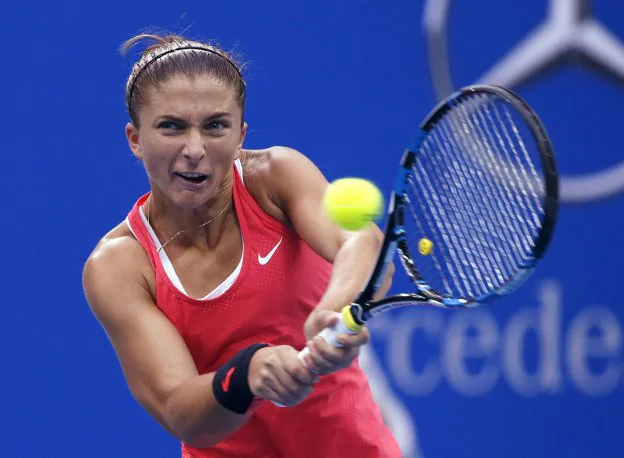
(158, 366)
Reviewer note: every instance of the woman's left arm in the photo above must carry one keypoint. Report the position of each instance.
(297, 187)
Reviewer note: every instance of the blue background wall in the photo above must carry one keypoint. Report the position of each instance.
(538, 374)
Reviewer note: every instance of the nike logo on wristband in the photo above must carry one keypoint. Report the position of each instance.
(225, 383)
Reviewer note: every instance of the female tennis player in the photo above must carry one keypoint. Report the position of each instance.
(224, 270)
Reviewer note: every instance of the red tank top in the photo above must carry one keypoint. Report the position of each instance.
(269, 302)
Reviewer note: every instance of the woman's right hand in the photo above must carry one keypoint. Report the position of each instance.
(277, 374)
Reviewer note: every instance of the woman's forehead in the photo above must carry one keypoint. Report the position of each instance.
(181, 91)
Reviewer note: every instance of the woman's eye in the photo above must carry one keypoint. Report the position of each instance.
(216, 125)
(169, 125)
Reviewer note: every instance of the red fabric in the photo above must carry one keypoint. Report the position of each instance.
(269, 303)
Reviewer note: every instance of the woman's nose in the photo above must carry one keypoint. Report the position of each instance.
(194, 148)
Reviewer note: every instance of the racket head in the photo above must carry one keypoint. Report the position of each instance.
(542, 151)
(481, 184)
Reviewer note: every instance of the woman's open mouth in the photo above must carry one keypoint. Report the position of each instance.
(192, 177)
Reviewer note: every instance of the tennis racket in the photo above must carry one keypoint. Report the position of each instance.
(473, 208)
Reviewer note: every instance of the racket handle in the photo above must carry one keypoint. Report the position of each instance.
(345, 325)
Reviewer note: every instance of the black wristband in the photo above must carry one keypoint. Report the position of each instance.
(230, 385)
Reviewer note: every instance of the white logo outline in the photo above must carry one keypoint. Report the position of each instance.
(569, 29)
(265, 259)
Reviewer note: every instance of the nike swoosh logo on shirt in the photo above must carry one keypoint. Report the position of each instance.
(225, 383)
(263, 260)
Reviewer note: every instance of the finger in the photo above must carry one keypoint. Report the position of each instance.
(309, 364)
(289, 385)
(323, 358)
(300, 397)
(297, 368)
(293, 375)
(326, 358)
(268, 393)
(330, 319)
(288, 396)
(324, 319)
(354, 340)
(327, 351)
(274, 377)
(303, 373)
(284, 394)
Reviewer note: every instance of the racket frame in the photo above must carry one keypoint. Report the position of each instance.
(364, 307)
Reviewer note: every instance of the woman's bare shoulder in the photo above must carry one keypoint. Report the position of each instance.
(259, 161)
(258, 177)
(117, 258)
(255, 161)
(119, 242)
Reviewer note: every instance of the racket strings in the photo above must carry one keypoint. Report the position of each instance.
(497, 215)
(455, 212)
(443, 252)
(534, 183)
(511, 202)
(443, 213)
(484, 226)
(444, 240)
(474, 230)
(475, 191)
(512, 167)
(523, 171)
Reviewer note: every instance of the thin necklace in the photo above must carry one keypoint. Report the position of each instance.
(149, 210)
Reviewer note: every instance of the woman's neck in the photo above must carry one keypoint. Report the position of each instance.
(201, 226)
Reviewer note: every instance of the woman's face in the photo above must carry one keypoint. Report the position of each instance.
(190, 132)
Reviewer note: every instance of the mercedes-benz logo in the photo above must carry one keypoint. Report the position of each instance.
(569, 30)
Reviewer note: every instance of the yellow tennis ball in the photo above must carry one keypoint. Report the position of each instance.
(353, 203)
(425, 246)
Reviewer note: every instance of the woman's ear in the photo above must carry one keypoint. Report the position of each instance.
(132, 134)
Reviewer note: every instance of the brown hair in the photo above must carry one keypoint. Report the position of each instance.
(170, 55)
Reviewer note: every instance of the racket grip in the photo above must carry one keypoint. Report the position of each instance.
(331, 334)
(345, 325)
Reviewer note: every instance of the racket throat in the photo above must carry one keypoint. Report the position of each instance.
(358, 314)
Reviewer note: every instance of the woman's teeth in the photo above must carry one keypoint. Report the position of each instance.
(192, 177)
